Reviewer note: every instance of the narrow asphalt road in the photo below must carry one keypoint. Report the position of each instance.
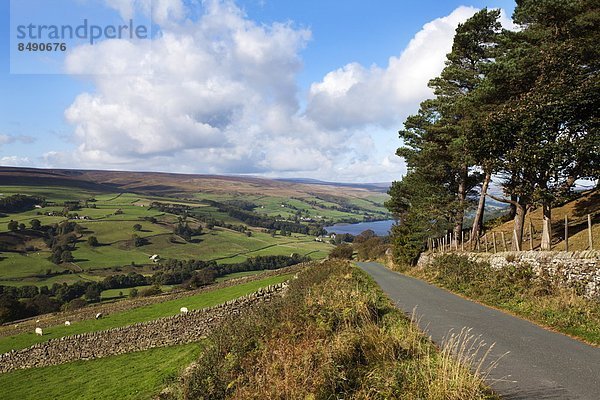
(539, 365)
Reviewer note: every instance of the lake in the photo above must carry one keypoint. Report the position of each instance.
(381, 228)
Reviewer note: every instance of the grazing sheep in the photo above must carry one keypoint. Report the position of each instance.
(38, 331)
(67, 323)
(184, 310)
(99, 315)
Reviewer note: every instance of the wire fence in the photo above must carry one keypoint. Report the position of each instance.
(567, 235)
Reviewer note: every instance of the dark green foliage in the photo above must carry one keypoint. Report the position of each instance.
(66, 256)
(11, 309)
(422, 209)
(92, 293)
(74, 304)
(13, 226)
(343, 251)
(19, 203)
(93, 241)
(522, 105)
(185, 231)
(138, 241)
(151, 291)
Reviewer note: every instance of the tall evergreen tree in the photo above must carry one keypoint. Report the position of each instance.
(436, 146)
(550, 69)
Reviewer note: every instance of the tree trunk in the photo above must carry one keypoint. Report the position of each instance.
(462, 197)
(519, 223)
(546, 227)
(512, 213)
(478, 221)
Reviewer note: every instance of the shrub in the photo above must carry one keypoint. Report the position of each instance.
(343, 251)
(151, 291)
(13, 226)
(74, 304)
(93, 241)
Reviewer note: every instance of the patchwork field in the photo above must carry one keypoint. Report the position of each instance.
(115, 219)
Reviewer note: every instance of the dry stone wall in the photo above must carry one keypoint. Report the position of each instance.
(17, 327)
(569, 268)
(179, 329)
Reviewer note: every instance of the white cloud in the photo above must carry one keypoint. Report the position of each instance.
(15, 161)
(162, 11)
(218, 94)
(354, 95)
(8, 139)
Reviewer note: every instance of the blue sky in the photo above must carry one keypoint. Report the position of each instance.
(312, 89)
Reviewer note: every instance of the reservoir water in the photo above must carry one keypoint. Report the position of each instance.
(381, 228)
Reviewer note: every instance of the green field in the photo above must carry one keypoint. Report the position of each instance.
(112, 294)
(67, 278)
(114, 232)
(138, 375)
(16, 265)
(141, 314)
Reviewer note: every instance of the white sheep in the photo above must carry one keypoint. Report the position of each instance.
(67, 323)
(38, 331)
(99, 315)
(184, 310)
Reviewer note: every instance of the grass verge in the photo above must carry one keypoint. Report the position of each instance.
(141, 314)
(520, 291)
(138, 375)
(333, 335)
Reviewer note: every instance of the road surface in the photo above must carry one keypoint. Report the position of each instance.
(540, 364)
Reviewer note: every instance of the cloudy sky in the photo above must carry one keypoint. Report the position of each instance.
(313, 89)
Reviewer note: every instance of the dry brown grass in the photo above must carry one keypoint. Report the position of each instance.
(333, 336)
(576, 211)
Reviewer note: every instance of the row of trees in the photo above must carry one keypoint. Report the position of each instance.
(27, 301)
(518, 105)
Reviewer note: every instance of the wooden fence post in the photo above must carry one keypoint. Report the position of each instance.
(462, 241)
(566, 233)
(486, 242)
(530, 234)
(590, 232)
(494, 239)
(503, 241)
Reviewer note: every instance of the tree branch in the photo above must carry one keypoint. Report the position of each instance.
(502, 200)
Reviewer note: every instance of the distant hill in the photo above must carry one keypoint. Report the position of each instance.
(378, 187)
(157, 183)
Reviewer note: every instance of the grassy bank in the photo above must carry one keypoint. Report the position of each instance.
(519, 291)
(141, 314)
(128, 376)
(333, 335)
